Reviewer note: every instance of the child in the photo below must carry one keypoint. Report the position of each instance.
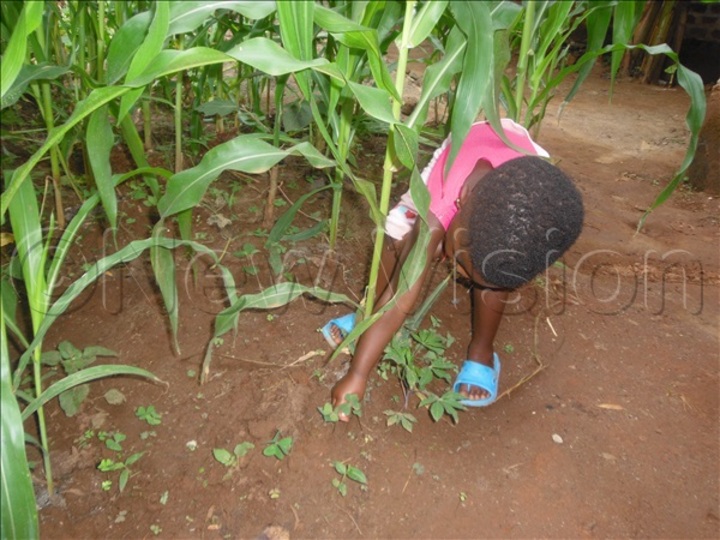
(501, 217)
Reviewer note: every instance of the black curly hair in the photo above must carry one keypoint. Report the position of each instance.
(526, 213)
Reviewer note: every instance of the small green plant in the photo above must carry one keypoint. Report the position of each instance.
(449, 403)
(230, 460)
(405, 420)
(278, 447)
(347, 472)
(83, 441)
(113, 440)
(149, 415)
(72, 360)
(417, 359)
(351, 406)
(110, 465)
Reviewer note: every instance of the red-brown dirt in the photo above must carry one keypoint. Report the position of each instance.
(616, 437)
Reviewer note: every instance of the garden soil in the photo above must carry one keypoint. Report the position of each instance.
(608, 422)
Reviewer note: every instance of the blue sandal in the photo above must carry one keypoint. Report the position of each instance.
(482, 376)
(345, 324)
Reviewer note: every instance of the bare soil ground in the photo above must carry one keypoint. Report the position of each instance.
(616, 437)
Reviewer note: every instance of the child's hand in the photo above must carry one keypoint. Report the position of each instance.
(351, 383)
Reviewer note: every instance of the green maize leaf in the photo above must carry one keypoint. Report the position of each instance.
(474, 20)
(505, 14)
(269, 57)
(438, 76)
(218, 107)
(27, 230)
(84, 108)
(247, 154)
(71, 230)
(597, 22)
(271, 298)
(693, 85)
(14, 57)
(100, 141)
(82, 377)
(184, 17)
(625, 17)
(374, 101)
(284, 221)
(367, 190)
(17, 498)
(145, 54)
(170, 61)
(425, 21)
(187, 16)
(312, 154)
(125, 43)
(296, 31)
(9, 300)
(163, 265)
(30, 73)
(690, 81)
(128, 253)
(243, 153)
(357, 36)
(405, 144)
(306, 234)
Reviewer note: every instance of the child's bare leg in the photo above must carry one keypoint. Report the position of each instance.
(392, 250)
(488, 309)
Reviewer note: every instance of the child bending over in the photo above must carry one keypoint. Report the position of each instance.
(501, 217)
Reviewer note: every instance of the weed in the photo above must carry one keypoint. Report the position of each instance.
(351, 406)
(109, 465)
(347, 472)
(113, 440)
(417, 359)
(278, 447)
(508, 348)
(84, 440)
(231, 460)
(405, 420)
(73, 360)
(149, 415)
(448, 403)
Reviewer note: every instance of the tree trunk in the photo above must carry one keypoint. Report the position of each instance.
(704, 172)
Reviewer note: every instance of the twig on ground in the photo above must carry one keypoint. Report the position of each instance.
(351, 518)
(307, 356)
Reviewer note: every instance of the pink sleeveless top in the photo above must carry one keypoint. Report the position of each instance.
(481, 143)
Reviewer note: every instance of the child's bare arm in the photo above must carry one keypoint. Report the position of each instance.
(372, 343)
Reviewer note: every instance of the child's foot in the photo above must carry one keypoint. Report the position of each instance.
(478, 382)
(336, 330)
